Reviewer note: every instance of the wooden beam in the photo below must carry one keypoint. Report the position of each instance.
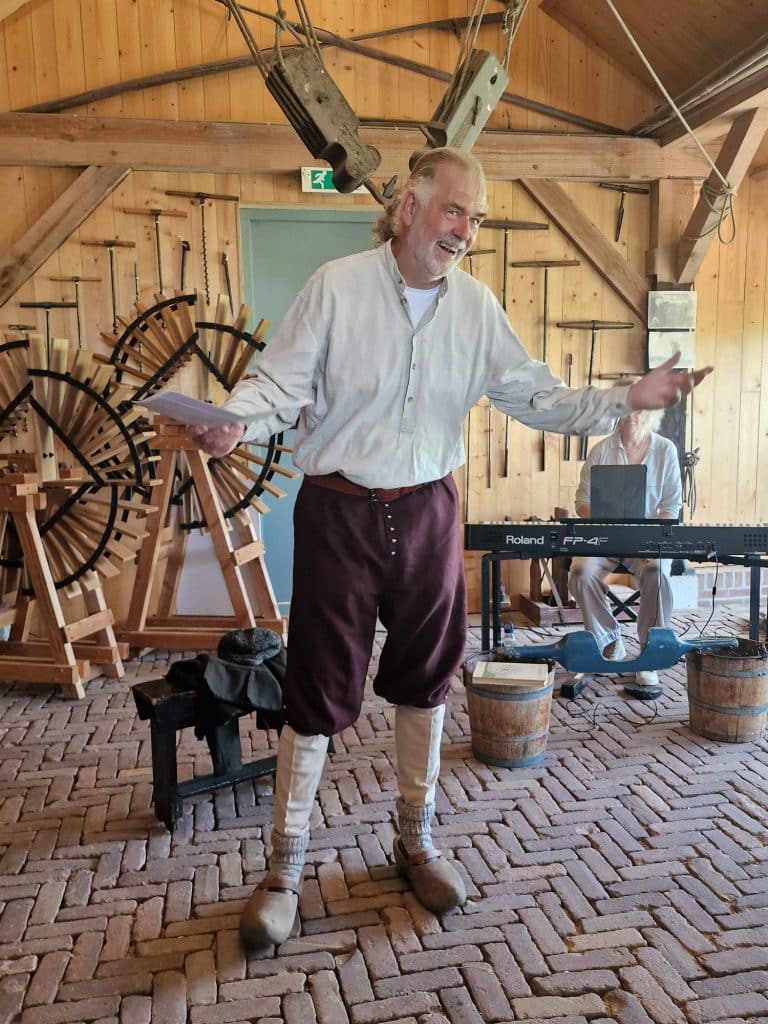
(753, 90)
(9, 7)
(58, 222)
(739, 148)
(227, 148)
(671, 205)
(326, 39)
(595, 247)
(735, 82)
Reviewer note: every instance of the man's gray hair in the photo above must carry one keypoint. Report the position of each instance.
(421, 182)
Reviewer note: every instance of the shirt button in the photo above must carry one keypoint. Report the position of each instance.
(410, 398)
(413, 366)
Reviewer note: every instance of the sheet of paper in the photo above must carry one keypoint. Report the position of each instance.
(188, 410)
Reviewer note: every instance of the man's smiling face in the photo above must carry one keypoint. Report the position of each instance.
(440, 228)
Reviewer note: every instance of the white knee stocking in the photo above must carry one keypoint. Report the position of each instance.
(300, 763)
(418, 732)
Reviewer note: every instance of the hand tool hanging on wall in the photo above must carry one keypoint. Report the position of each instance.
(185, 247)
(624, 189)
(76, 281)
(313, 103)
(477, 83)
(47, 307)
(471, 254)
(136, 289)
(155, 213)
(111, 244)
(567, 437)
(546, 264)
(200, 198)
(506, 226)
(617, 377)
(594, 326)
(228, 279)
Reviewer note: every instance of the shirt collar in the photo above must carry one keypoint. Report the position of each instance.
(397, 277)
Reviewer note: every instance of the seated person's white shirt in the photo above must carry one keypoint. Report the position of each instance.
(663, 489)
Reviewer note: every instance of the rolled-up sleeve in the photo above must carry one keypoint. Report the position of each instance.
(283, 381)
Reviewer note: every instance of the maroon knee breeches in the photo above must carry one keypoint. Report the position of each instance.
(356, 560)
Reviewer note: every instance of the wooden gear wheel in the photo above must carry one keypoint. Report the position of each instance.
(14, 387)
(156, 347)
(91, 457)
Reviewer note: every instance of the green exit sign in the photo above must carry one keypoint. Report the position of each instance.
(320, 179)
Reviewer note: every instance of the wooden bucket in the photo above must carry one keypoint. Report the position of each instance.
(510, 723)
(728, 692)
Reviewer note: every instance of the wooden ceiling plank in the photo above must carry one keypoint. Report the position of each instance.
(592, 243)
(55, 226)
(679, 39)
(733, 163)
(9, 7)
(150, 144)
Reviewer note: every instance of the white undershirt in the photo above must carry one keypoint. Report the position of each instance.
(419, 301)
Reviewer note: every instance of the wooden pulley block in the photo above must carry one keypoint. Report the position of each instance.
(322, 118)
(462, 113)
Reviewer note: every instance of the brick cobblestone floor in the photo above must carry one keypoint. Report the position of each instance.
(625, 879)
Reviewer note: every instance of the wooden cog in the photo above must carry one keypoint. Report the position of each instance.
(91, 456)
(157, 347)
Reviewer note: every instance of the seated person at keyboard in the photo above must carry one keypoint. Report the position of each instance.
(633, 442)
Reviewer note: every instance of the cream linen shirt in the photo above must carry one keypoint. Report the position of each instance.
(384, 403)
(663, 486)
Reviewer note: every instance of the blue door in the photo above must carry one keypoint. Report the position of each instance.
(281, 248)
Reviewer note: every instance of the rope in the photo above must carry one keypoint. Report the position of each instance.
(467, 44)
(726, 193)
(234, 10)
(513, 15)
(309, 28)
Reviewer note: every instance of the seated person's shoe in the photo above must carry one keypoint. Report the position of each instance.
(645, 687)
(436, 883)
(615, 650)
(270, 913)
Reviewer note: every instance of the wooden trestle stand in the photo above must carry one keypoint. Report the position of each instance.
(62, 656)
(158, 570)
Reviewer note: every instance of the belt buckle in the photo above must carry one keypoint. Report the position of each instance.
(373, 495)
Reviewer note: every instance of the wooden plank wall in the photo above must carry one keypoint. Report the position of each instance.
(55, 49)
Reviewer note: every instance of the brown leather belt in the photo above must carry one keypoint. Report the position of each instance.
(336, 482)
